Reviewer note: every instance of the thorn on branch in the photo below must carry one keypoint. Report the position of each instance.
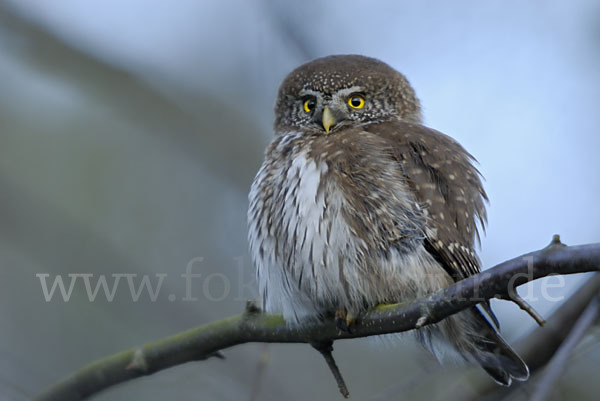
(424, 318)
(252, 307)
(138, 362)
(422, 321)
(218, 355)
(325, 348)
(555, 242)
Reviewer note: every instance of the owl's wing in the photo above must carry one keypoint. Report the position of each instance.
(441, 174)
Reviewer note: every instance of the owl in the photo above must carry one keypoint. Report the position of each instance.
(357, 204)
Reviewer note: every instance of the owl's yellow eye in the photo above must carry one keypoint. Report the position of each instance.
(356, 101)
(309, 105)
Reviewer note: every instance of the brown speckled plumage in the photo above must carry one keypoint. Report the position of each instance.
(377, 209)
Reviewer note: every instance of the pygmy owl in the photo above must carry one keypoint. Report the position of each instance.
(358, 204)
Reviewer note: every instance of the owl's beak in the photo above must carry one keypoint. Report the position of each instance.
(328, 119)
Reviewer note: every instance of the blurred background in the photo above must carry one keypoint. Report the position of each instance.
(130, 131)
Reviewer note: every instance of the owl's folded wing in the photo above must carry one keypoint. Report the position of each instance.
(445, 182)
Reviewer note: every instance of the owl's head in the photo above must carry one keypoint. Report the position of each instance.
(329, 93)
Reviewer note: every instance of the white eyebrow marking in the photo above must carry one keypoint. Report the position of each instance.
(344, 93)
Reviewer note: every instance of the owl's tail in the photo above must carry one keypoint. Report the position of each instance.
(490, 350)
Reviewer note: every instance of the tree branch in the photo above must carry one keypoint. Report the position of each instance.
(558, 363)
(253, 326)
(536, 348)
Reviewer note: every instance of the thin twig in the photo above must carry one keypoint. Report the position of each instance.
(516, 298)
(512, 295)
(558, 363)
(326, 349)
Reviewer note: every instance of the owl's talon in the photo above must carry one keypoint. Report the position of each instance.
(345, 320)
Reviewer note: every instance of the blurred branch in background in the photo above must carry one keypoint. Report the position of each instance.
(203, 139)
(82, 137)
(558, 363)
(289, 27)
(252, 326)
(205, 136)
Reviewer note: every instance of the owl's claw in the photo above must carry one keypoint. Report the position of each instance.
(344, 320)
